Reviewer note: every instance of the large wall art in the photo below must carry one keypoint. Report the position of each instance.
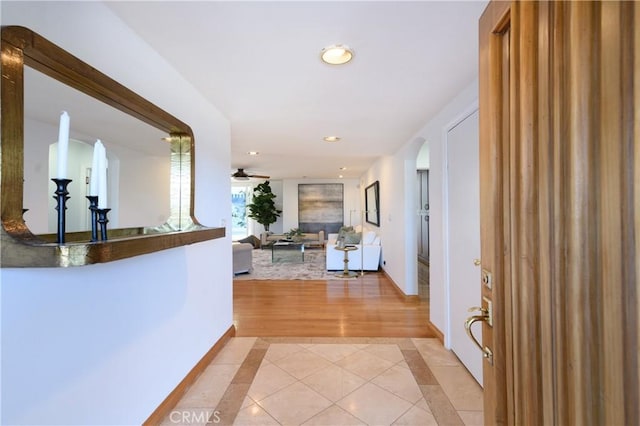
(320, 207)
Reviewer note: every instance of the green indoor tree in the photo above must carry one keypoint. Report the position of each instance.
(262, 207)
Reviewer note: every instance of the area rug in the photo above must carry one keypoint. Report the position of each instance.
(313, 267)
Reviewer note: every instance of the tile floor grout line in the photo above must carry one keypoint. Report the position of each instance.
(263, 409)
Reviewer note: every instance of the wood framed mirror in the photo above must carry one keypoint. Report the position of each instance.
(25, 52)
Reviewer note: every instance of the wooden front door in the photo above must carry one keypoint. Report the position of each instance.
(560, 211)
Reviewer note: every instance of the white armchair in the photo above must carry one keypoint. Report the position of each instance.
(242, 257)
(368, 252)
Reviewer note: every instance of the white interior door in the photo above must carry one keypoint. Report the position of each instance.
(464, 238)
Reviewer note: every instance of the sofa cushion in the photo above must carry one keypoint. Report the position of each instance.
(368, 237)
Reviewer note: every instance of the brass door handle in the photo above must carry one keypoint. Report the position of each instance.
(476, 262)
(467, 326)
(484, 316)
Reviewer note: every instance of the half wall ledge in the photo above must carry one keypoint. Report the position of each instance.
(31, 254)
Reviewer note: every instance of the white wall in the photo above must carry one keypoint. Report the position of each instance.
(399, 205)
(400, 231)
(397, 228)
(422, 163)
(435, 133)
(105, 344)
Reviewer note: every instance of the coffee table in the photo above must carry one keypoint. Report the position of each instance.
(287, 251)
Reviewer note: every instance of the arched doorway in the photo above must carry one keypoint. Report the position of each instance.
(422, 228)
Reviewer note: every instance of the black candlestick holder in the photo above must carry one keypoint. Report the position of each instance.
(61, 198)
(102, 220)
(93, 206)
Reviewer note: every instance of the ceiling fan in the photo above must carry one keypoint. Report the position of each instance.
(240, 174)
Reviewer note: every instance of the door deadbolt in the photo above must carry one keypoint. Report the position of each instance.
(486, 279)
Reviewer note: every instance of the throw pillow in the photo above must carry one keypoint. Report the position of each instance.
(352, 238)
(251, 239)
(343, 230)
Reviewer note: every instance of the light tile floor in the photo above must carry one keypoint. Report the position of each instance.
(332, 381)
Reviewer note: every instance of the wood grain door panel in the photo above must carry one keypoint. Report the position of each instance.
(560, 210)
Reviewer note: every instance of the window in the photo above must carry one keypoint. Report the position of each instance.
(239, 198)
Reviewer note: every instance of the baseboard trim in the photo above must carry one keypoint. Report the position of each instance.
(439, 334)
(174, 397)
(407, 298)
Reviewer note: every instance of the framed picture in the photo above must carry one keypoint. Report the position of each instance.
(320, 207)
(372, 203)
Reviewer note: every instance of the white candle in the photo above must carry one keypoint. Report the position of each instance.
(63, 145)
(102, 178)
(93, 184)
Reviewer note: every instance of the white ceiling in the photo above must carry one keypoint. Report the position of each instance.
(258, 62)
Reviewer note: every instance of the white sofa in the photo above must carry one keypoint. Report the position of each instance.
(368, 253)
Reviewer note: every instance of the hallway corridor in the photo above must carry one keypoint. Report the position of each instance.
(334, 353)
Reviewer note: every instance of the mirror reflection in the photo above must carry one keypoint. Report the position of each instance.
(150, 181)
(138, 156)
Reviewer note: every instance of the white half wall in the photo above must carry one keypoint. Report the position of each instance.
(105, 344)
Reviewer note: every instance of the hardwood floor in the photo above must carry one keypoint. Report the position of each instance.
(369, 306)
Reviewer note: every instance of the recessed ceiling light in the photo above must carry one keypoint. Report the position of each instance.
(253, 153)
(343, 168)
(337, 54)
(340, 176)
(331, 138)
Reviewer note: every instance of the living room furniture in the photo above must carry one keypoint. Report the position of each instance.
(287, 251)
(345, 272)
(309, 239)
(242, 257)
(367, 260)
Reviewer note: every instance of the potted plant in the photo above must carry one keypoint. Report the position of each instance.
(294, 234)
(262, 207)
